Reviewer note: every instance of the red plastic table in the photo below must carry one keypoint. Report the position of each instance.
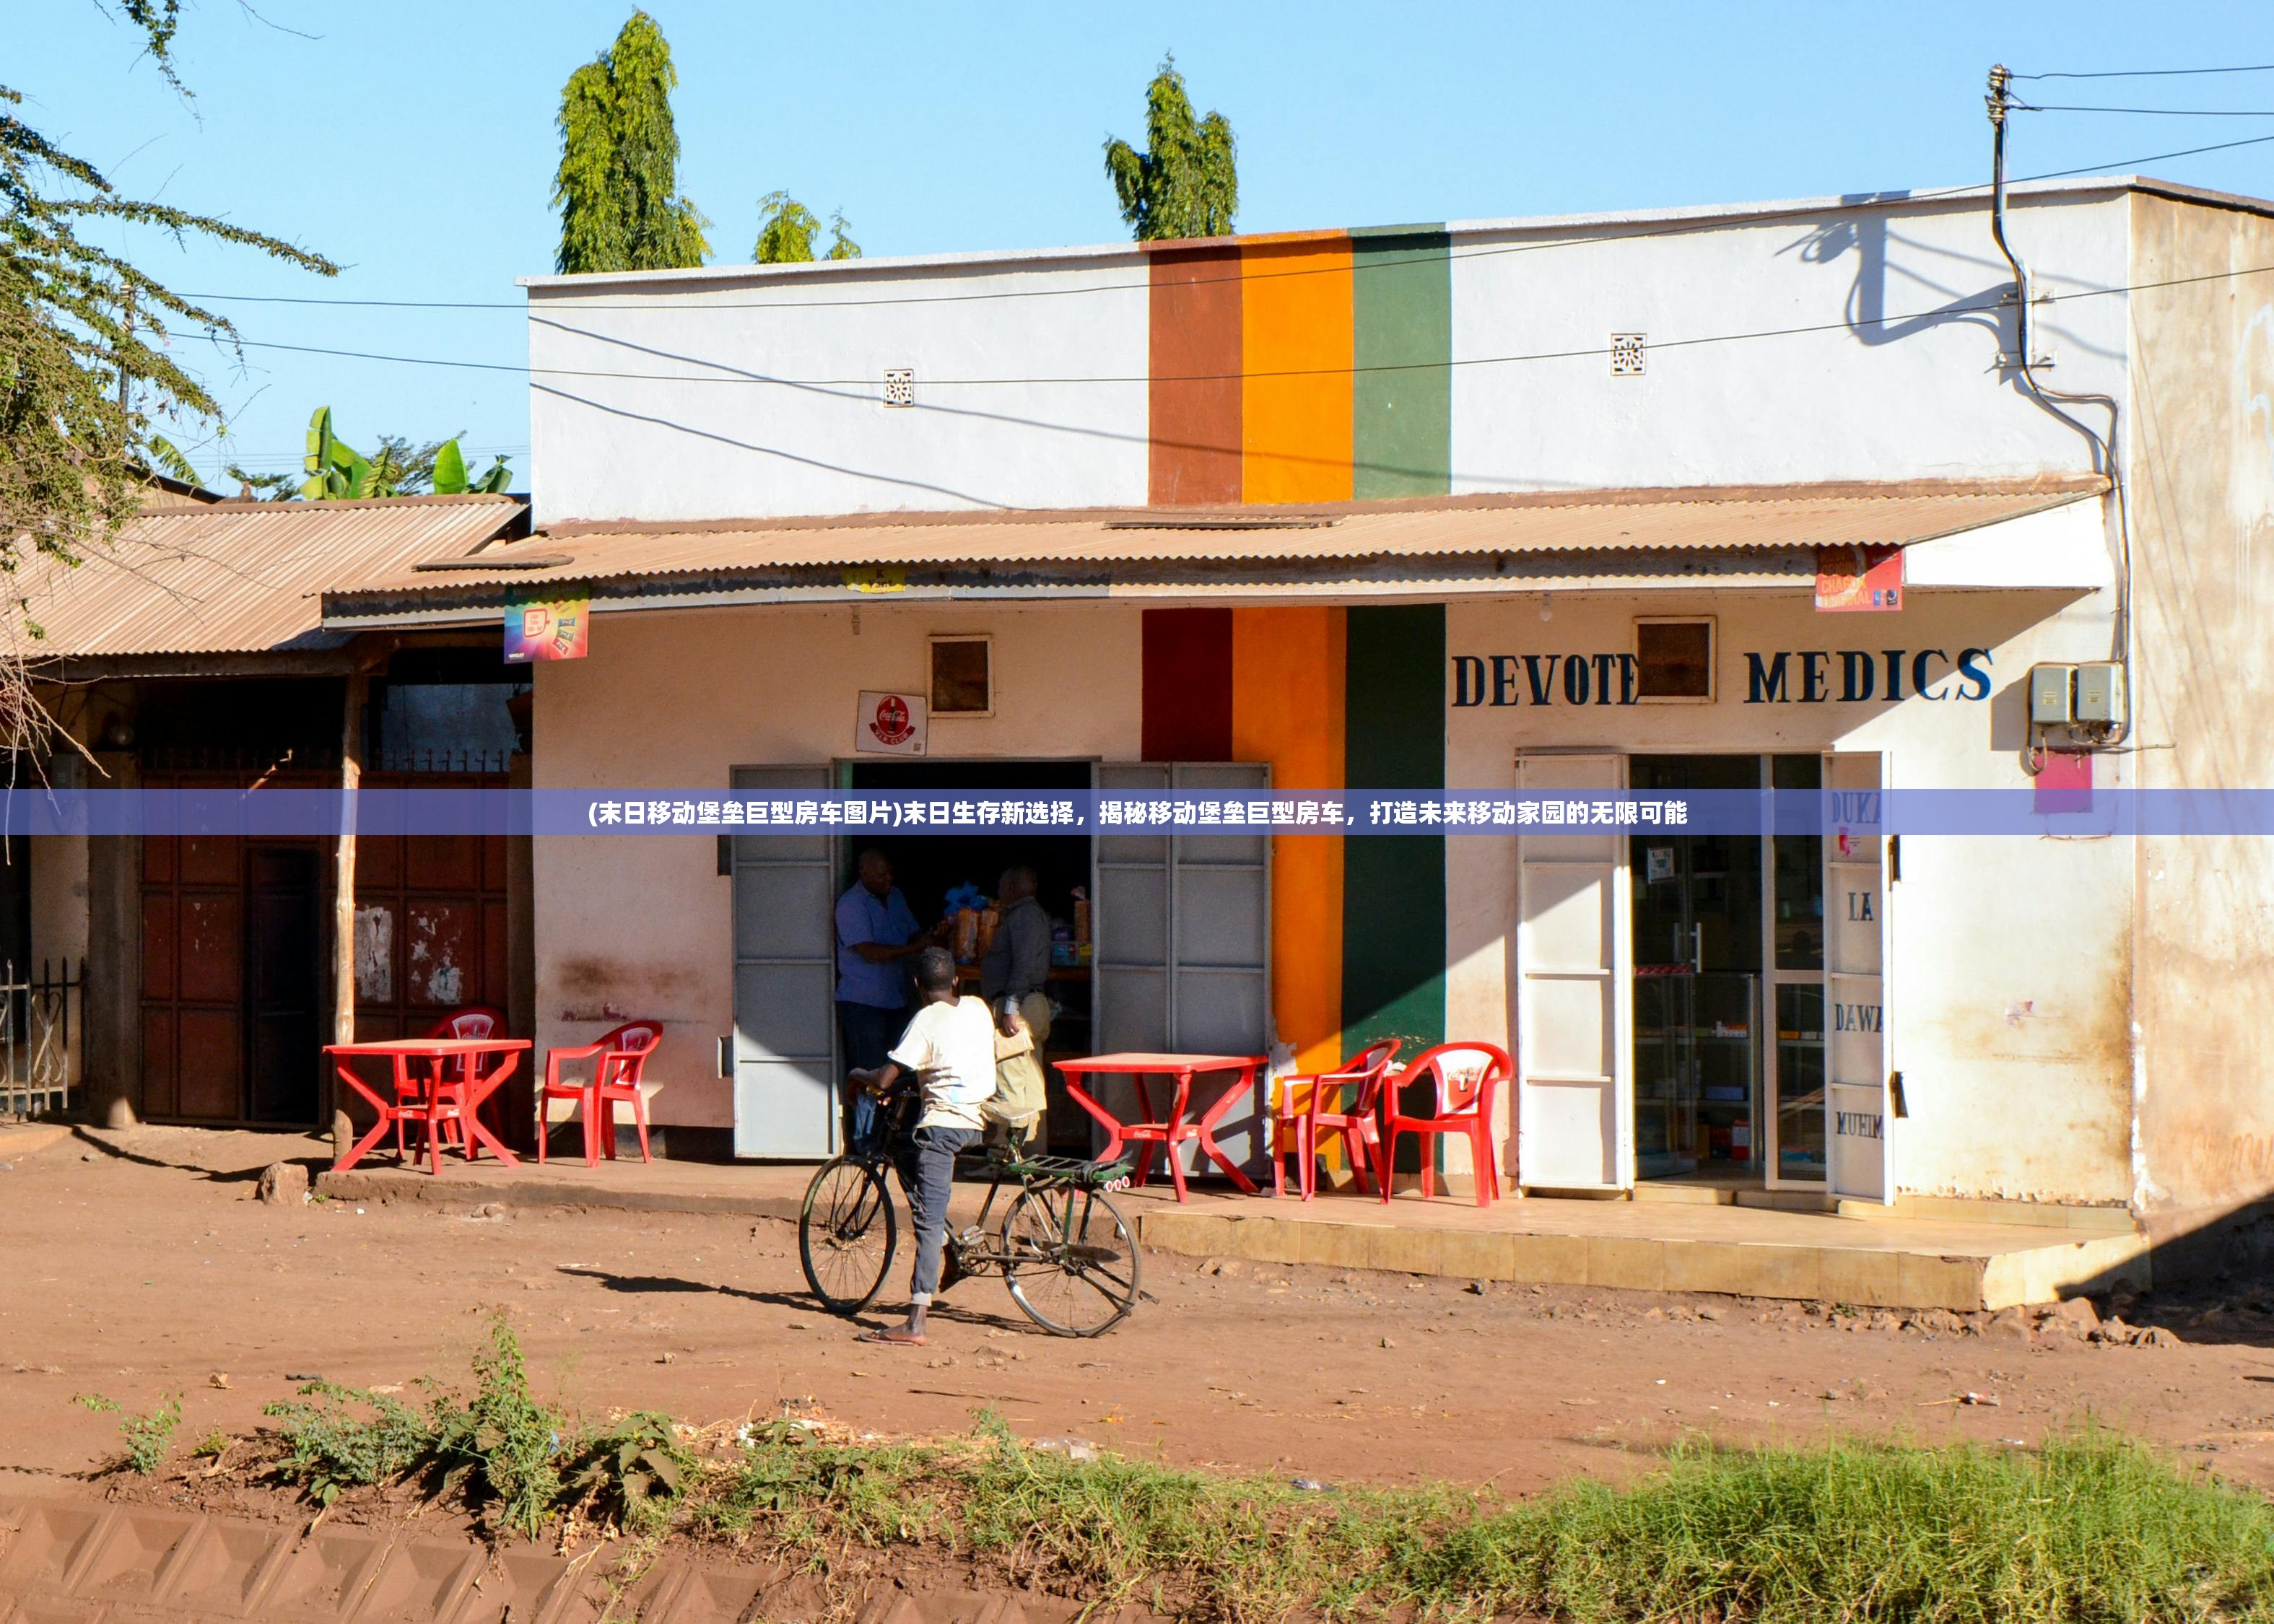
(1168, 1134)
(422, 1100)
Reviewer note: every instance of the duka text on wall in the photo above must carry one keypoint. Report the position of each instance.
(1781, 676)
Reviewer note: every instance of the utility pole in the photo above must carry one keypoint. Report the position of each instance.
(127, 326)
(2000, 102)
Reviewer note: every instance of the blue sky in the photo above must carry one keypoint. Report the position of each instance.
(414, 142)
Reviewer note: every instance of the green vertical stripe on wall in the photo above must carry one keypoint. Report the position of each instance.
(1401, 419)
(1393, 885)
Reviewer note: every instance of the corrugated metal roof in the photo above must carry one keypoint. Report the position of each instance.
(236, 576)
(1750, 518)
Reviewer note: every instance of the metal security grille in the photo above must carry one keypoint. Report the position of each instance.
(1184, 934)
(409, 759)
(785, 1043)
(38, 1059)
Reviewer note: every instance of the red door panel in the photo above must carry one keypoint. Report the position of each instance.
(161, 947)
(213, 1065)
(212, 947)
(210, 859)
(161, 1094)
(379, 863)
(442, 862)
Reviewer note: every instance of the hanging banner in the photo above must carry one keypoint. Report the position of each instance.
(1859, 579)
(546, 629)
(889, 724)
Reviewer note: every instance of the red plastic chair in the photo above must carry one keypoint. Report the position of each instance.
(1359, 1125)
(622, 1057)
(1466, 1077)
(476, 1020)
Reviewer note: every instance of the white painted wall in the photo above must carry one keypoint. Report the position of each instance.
(1915, 397)
(674, 701)
(995, 343)
(59, 897)
(699, 436)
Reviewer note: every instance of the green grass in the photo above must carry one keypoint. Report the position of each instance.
(2093, 1528)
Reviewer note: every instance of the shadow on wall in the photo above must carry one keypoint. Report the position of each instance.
(1869, 236)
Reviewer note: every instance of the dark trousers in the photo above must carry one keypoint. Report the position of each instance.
(869, 1033)
(926, 1161)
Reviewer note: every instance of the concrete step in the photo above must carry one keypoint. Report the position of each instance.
(1876, 1266)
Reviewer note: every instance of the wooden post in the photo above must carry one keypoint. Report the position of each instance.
(112, 1000)
(343, 901)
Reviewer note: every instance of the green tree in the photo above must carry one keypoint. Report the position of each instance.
(1186, 183)
(617, 188)
(87, 365)
(787, 229)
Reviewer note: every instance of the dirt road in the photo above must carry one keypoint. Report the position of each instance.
(141, 1264)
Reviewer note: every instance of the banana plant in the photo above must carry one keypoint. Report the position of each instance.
(338, 472)
(450, 474)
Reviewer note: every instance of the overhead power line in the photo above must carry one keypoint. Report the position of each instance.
(1671, 229)
(2153, 112)
(2154, 72)
(726, 375)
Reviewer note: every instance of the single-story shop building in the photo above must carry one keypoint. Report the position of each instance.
(1509, 505)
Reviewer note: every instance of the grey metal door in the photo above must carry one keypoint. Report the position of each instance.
(1184, 938)
(785, 982)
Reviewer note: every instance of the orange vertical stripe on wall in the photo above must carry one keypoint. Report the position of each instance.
(1287, 709)
(1296, 349)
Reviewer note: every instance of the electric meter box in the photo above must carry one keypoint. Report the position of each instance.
(2050, 687)
(2100, 692)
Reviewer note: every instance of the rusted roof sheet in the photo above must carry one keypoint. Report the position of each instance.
(236, 576)
(1703, 519)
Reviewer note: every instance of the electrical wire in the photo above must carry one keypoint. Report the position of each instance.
(2152, 112)
(1671, 228)
(726, 375)
(2153, 72)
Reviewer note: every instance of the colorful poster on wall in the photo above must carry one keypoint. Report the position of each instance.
(889, 724)
(546, 629)
(1852, 579)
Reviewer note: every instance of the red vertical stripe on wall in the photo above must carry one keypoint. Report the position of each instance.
(1193, 350)
(1187, 685)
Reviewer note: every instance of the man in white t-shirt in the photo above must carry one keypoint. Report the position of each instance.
(950, 1048)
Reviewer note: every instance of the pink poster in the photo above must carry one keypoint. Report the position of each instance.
(549, 629)
(1852, 579)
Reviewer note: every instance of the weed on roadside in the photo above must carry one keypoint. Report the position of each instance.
(149, 1435)
(509, 1455)
(2092, 1528)
(336, 1438)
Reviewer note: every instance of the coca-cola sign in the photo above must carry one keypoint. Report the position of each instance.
(889, 724)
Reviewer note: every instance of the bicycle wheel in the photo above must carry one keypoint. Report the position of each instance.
(845, 1233)
(1070, 1261)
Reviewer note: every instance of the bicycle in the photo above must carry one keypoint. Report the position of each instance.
(1069, 1258)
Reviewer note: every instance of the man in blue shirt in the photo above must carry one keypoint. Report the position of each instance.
(876, 932)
